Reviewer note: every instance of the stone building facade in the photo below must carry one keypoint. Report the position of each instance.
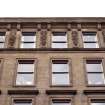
(52, 61)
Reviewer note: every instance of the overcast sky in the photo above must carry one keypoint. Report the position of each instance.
(52, 8)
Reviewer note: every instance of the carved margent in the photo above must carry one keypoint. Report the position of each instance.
(103, 33)
(43, 38)
(75, 38)
(11, 40)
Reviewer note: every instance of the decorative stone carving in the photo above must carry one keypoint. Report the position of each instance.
(69, 27)
(103, 33)
(79, 27)
(48, 27)
(75, 38)
(43, 38)
(18, 27)
(99, 27)
(8, 27)
(11, 40)
(39, 27)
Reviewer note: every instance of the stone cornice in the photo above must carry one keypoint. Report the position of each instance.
(59, 92)
(52, 20)
(65, 50)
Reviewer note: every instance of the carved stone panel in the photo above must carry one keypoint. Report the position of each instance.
(75, 38)
(11, 40)
(43, 38)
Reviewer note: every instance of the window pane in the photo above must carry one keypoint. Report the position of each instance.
(96, 78)
(23, 103)
(91, 38)
(25, 67)
(59, 38)
(59, 45)
(28, 45)
(2, 38)
(29, 38)
(97, 103)
(1, 45)
(91, 45)
(60, 68)
(61, 103)
(25, 79)
(94, 67)
(60, 79)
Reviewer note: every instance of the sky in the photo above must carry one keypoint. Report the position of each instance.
(52, 8)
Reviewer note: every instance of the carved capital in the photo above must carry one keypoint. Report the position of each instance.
(75, 38)
(9, 27)
(79, 27)
(43, 38)
(38, 27)
(99, 27)
(69, 27)
(48, 27)
(18, 27)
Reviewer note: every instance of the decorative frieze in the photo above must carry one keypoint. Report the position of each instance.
(75, 38)
(43, 38)
(11, 40)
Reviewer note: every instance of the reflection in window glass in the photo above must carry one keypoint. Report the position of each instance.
(95, 72)
(28, 40)
(59, 40)
(91, 45)
(90, 40)
(60, 72)
(96, 78)
(25, 72)
(25, 79)
(60, 79)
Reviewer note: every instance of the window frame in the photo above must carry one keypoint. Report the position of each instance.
(85, 71)
(22, 98)
(91, 31)
(96, 98)
(69, 73)
(61, 98)
(3, 42)
(66, 34)
(16, 72)
(27, 42)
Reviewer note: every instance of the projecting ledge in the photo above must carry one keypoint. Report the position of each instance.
(23, 92)
(63, 92)
(90, 92)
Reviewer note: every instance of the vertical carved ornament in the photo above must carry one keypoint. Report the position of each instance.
(11, 40)
(103, 34)
(75, 38)
(43, 38)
